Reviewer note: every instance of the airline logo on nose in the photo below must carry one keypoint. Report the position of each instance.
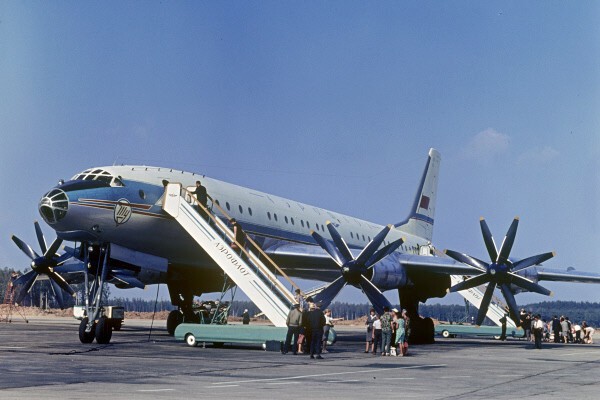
(122, 211)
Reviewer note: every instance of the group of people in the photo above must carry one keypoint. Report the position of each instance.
(308, 327)
(557, 330)
(387, 333)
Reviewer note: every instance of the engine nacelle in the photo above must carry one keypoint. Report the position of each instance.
(389, 274)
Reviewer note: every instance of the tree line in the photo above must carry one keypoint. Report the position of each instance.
(41, 296)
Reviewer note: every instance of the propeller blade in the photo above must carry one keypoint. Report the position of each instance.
(512, 304)
(508, 242)
(373, 245)
(329, 248)
(57, 294)
(467, 259)
(327, 295)
(70, 268)
(489, 240)
(383, 252)
(485, 303)
(127, 279)
(51, 252)
(377, 299)
(31, 277)
(25, 248)
(529, 285)
(339, 242)
(20, 281)
(40, 237)
(60, 281)
(534, 260)
(63, 258)
(471, 282)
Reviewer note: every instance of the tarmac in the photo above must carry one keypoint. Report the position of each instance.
(44, 359)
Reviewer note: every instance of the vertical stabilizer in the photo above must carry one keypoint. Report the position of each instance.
(420, 219)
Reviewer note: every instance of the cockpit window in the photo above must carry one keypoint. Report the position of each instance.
(98, 175)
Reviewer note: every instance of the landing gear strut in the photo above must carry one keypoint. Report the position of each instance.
(95, 324)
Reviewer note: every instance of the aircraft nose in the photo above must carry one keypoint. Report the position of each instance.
(53, 206)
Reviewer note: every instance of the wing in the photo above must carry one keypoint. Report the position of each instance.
(557, 275)
(312, 262)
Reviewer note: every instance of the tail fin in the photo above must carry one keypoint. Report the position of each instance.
(420, 219)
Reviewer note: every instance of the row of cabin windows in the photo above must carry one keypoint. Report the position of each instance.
(319, 227)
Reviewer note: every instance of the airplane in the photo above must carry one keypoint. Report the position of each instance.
(115, 215)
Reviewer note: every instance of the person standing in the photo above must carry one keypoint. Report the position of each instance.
(527, 326)
(369, 337)
(328, 325)
(293, 322)
(556, 328)
(564, 329)
(245, 317)
(376, 335)
(238, 234)
(386, 331)
(315, 323)
(202, 198)
(538, 331)
(400, 334)
(503, 324)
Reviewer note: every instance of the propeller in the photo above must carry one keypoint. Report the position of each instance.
(43, 264)
(354, 269)
(500, 272)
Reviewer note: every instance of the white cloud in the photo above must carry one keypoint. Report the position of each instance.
(487, 144)
(538, 156)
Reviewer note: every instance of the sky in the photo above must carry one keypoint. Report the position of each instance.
(332, 103)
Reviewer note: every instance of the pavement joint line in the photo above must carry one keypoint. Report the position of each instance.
(155, 390)
(455, 376)
(330, 374)
(397, 379)
(344, 381)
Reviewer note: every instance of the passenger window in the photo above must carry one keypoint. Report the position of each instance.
(142, 194)
(217, 202)
(250, 211)
(227, 205)
(323, 229)
(363, 238)
(275, 216)
(308, 224)
(286, 220)
(269, 215)
(352, 235)
(317, 225)
(241, 209)
(302, 223)
(292, 219)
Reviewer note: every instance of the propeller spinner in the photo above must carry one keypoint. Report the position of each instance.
(44, 264)
(354, 269)
(500, 272)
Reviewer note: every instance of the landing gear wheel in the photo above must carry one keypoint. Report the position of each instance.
(103, 331)
(86, 337)
(191, 341)
(173, 320)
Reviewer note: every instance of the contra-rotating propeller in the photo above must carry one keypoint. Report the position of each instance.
(44, 264)
(500, 272)
(354, 269)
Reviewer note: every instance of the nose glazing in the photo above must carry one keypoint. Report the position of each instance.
(53, 206)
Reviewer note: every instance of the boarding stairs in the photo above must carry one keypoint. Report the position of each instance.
(249, 268)
(474, 296)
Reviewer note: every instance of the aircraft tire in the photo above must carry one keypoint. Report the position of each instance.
(86, 337)
(103, 331)
(173, 320)
(191, 341)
